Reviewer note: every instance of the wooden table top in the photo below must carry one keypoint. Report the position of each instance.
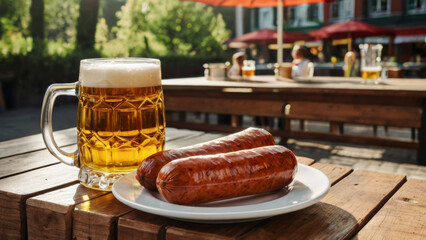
(393, 86)
(41, 198)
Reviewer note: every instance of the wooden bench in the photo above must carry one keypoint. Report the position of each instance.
(337, 115)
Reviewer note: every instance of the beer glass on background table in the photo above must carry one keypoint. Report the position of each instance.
(370, 62)
(120, 118)
(248, 69)
(283, 70)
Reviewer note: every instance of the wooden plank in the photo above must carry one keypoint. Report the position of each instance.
(348, 206)
(397, 116)
(348, 138)
(23, 154)
(334, 173)
(28, 161)
(189, 231)
(402, 217)
(195, 138)
(236, 231)
(325, 85)
(244, 105)
(33, 143)
(49, 216)
(356, 113)
(15, 190)
(314, 95)
(98, 218)
(421, 151)
(140, 225)
(173, 134)
(205, 127)
(305, 160)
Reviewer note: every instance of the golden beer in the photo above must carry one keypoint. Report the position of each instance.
(119, 127)
(247, 73)
(370, 74)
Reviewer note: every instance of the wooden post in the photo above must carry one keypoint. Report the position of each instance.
(421, 151)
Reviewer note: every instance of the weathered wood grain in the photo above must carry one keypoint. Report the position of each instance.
(49, 215)
(253, 106)
(98, 218)
(334, 173)
(35, 142)
(397, 116)
(402, 217)
(187, 231)
(192, 138)
(28, 161)
(15, 190)
(322, 85)
(141, 225)
(341, 213)
(305, 160)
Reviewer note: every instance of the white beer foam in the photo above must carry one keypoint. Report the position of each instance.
(120, 75)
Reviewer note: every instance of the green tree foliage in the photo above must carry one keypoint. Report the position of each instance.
(169, 28)
(60, 25)
(14, 22)
(61, 19)
(13, 16)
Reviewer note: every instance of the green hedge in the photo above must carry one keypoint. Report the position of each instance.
(34, 73)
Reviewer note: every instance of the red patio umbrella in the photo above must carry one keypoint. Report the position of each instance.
(263, 3)
(257, 3)
(268, 36)
(350, 29)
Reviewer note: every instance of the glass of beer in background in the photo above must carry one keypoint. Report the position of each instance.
(120, 118)
(370, 62)
(248, 69)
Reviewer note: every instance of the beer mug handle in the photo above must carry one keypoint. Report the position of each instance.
(54, 90)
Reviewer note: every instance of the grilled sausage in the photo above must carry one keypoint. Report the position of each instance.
(201, 179)
(249, 138)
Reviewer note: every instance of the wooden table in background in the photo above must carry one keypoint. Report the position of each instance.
(398, 103)
(42, 199)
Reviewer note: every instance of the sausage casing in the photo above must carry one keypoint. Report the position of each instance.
(200, 179)
(249, 138)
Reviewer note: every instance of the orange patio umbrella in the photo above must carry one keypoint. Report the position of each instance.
(264, 3)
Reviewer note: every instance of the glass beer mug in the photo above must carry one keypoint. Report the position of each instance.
(120, 118)
(370, 62)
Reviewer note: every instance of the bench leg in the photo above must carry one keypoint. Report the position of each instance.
(302, 125)
(236, 120)
(284, 125)
(341, 128)
(413, 134)
(334, 127)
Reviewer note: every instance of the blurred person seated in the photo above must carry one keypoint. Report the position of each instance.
(351, 64)
(301, 65)
(237, 65)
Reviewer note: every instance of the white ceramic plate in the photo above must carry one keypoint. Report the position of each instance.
(308, 187)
